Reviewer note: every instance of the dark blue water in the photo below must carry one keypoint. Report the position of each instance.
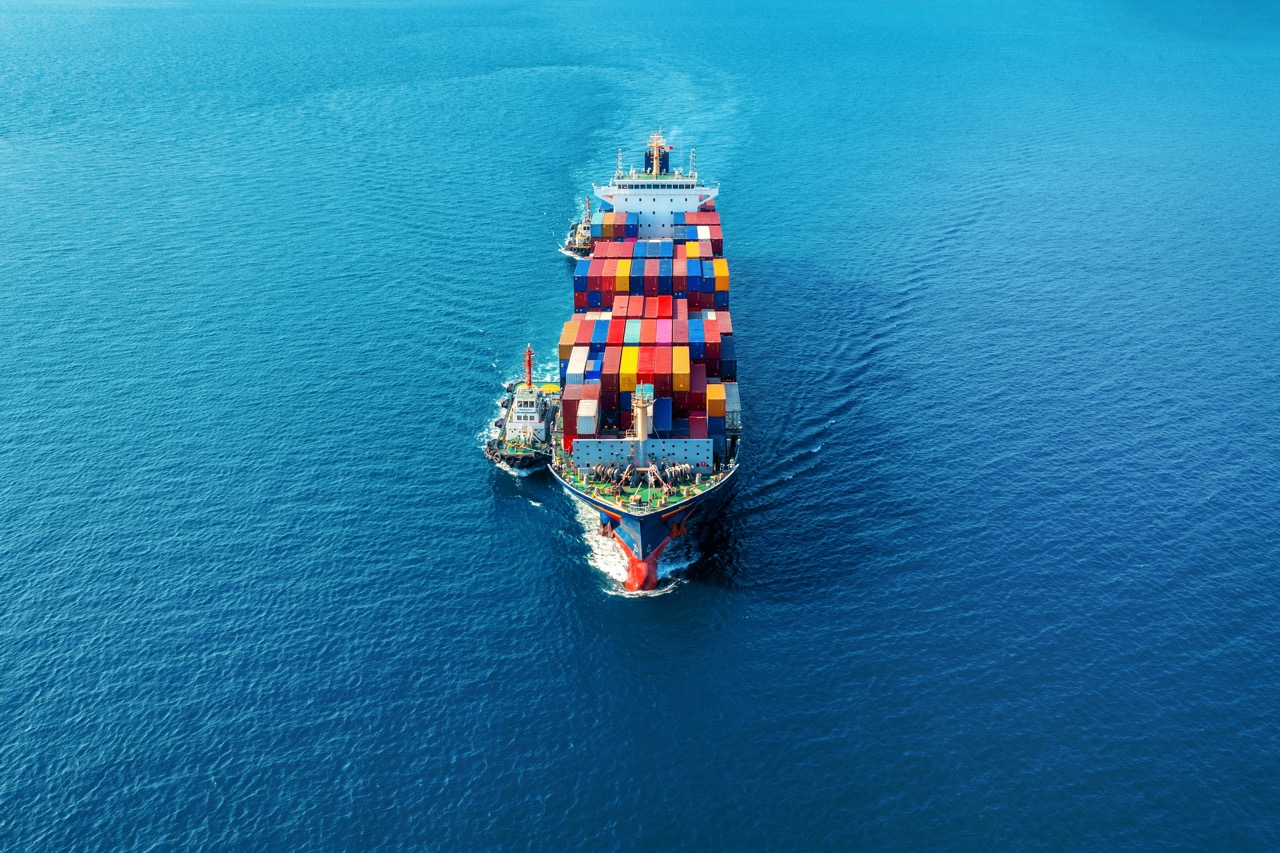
(1001, 572)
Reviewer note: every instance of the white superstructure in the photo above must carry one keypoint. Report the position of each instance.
(657, 193)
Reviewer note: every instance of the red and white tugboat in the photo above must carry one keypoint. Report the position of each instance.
(523, 442)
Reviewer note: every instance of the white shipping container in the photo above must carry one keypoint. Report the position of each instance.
(588, 411)
(704, 232)
(577, 371)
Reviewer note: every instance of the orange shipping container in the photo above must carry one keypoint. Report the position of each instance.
(567, 337)
(715, 400)
(680, 368)
(722, 273)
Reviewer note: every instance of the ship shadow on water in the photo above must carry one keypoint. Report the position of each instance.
(709, 552)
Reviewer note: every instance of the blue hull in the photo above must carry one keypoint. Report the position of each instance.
(644, 536)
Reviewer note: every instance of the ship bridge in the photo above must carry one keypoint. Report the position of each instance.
(657, 193)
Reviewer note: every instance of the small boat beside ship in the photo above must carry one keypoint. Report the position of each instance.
(523, 442)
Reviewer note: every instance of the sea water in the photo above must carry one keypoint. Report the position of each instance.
(1000, 568)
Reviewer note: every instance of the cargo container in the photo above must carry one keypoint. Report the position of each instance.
(662, 378)
(568, 336)
(715, 400)
(728, 358)
(732, 406)
(680, 368)
(627, 368)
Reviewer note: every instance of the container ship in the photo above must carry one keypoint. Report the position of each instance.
(648, 424)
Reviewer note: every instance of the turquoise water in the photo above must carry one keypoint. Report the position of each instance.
(1000, 571)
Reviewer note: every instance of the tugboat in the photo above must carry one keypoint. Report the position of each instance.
(524, 430)
(577, 244)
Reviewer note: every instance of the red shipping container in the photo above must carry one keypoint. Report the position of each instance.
(651, 277)
(608, 401)
(591, 391)
(679, 333)
(662, 371)
(713, 367)
(586, 329)
(725, 322)
(593, 275)
(697, 386)
(568, 443)
(717, 247)
(711, 330)
(651, 308)
(648, 332)
(609, 370)
(664, 307)
(606, 299)
(680, 403)
(681, 253)
(635, 307)
(580, 299)
(698, 424)
(617, 328)
(620, 305)
(624, 420)
(682, 310)
(647, 365)
(609, 273)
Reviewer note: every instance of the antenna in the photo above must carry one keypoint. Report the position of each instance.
(528, 365)
(618, 174)
(693, 163)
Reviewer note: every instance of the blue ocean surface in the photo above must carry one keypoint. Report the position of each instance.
(1000, 570)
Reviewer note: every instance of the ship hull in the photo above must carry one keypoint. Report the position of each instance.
(644, 536)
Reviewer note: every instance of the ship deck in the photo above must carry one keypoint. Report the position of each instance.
(639, 499)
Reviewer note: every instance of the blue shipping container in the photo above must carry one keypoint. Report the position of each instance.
(595, 299)
(666, 248)
(722, 300)
(715, 426)
(679, 219)
(624, 401)
(662, 414)
(693, 272)
(697, 340)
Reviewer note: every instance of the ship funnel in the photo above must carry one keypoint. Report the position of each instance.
(642, 420)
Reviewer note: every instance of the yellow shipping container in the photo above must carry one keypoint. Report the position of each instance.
(693, 250)
(567, 337)
(715, 400)
(627, 372)
(722, 273)
(607, 225)
(622, 282)
(679, 368)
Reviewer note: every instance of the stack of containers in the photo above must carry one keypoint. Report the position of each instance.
(651, 312)
(610, 225)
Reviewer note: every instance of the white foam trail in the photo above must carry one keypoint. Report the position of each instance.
(607, 557)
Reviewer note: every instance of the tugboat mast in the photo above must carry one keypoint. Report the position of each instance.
(528, 365)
